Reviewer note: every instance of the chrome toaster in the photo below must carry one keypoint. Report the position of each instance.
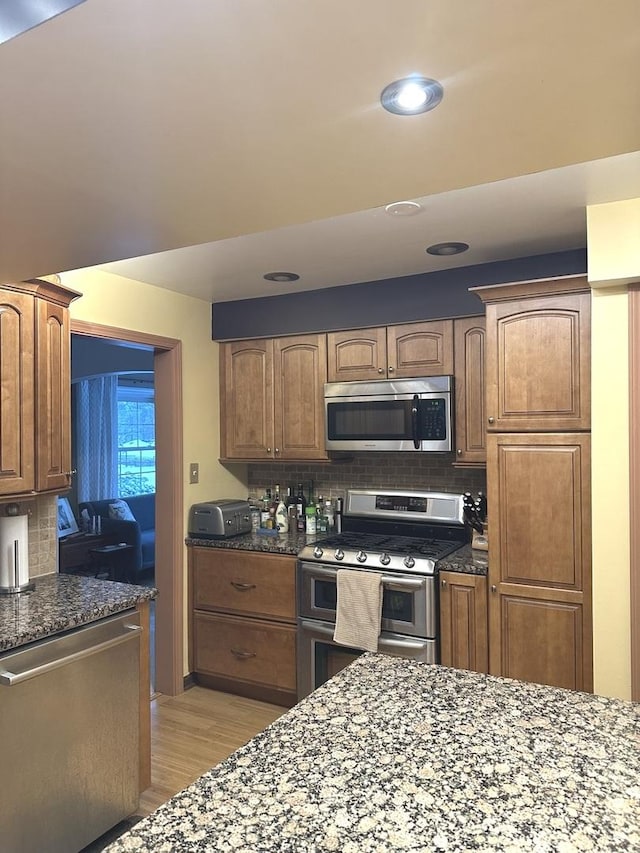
(219, 519)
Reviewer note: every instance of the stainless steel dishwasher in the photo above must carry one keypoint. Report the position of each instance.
(69, 734)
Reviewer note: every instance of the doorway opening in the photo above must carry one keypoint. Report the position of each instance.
(169, 548)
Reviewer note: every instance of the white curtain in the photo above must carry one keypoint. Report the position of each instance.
(97, 438)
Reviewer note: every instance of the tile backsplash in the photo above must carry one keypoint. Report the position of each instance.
(424, 471)
(43, 536)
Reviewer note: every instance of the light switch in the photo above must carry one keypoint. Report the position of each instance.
(194, 472)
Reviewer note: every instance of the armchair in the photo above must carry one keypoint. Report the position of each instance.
(139, 532)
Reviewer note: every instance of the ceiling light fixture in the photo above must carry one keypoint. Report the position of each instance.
(447, 248)
(403, 208)
(281, 276)
(411, 95)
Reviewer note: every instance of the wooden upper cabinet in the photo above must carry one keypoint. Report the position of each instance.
(246, 380)
(272, 394)
(359, 354)
(300, 371)
(53, 381)
(538, 356)
(407, 350)
(540, 558)
(420, 349)
(35, 405)
(471, 422)
(17, 415)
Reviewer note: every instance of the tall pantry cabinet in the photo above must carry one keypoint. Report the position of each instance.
(538, 481)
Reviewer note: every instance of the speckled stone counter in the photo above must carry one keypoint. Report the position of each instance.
(60, 602)
(394, 755)
(272, 543)
(465, 560)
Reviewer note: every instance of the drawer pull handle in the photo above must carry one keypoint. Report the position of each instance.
(242, 655)
(242, 587)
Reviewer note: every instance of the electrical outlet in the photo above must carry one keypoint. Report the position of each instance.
(194, 472)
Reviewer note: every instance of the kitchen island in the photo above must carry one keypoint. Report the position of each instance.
(392, 754)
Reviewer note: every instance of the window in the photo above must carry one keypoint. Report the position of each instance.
(136, 438)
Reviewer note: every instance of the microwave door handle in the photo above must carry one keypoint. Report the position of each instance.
(414, 422)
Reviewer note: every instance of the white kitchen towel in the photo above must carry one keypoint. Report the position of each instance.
(359, 609)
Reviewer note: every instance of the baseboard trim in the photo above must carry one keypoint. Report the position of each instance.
(189, 681)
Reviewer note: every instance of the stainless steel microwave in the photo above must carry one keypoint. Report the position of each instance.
(393, 414)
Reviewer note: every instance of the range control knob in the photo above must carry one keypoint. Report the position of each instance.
(385, 559)
(361, 557)
(317, 552)
(409, 562)
(339, 555)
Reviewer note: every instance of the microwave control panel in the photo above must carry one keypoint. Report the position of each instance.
(433, 419)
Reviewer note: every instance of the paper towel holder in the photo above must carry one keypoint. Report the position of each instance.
(14, 575)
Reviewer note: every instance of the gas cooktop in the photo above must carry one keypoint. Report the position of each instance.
(394, 531)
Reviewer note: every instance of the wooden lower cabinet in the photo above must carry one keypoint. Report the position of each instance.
(243, 623)
(464, 641)
(540, 558)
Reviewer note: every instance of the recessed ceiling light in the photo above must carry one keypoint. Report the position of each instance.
(403, 208)
(447, 248)
(411, 95)
(281, 276)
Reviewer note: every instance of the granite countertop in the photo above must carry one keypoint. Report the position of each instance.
(270, 542)
(392, 754)
(60, 602)
(465, 560)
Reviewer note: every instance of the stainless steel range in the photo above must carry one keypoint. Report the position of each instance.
(401, 534)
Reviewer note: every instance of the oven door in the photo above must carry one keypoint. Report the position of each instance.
(408, 601)
(319, 658)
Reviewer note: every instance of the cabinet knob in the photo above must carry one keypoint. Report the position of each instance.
(443, 583)
(493, 587)
(276, 450)
(380, 370)
(459, 451)
(491, 420)
(268, 450)
(71, 473)
(390, 369)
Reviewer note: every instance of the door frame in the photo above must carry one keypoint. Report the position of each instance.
(634, 485)
(169, 631)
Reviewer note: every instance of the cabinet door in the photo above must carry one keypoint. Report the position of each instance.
(471, 430)
(17, 414)
(538, 363)
(53, 383)
(463, 621)
(246, 394)
(300, 371)
(540, 558)
(420, 349)
(357, 354)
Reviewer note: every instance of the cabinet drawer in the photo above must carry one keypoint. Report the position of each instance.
(245, 650)
(244, 582)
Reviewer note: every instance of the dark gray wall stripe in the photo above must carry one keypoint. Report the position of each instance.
(428, 296)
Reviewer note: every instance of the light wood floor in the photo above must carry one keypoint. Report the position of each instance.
(192, 732)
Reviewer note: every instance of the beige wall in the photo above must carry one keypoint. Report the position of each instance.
(613, 259)
(114, 301)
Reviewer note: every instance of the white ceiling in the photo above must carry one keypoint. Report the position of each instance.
(252, 133)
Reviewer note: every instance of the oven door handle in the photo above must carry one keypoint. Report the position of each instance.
(405, 644)
(399, 582)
